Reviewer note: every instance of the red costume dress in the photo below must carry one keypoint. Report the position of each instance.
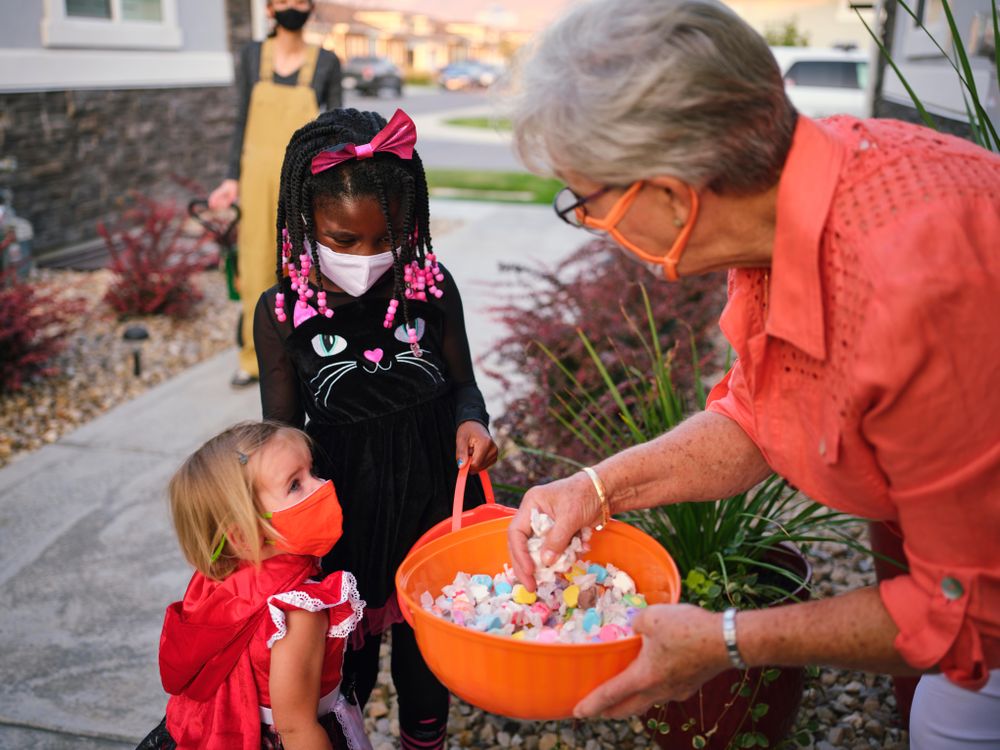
(215, 648)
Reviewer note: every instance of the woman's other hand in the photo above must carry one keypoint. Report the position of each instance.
(682, 648)
(224, 196)
(571, 503)
(474, 444)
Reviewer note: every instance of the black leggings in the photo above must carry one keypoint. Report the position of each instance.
(423, 701)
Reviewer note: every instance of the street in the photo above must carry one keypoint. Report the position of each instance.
(447, 147)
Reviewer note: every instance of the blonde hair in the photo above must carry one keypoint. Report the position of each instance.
(213, 498)
(625, 90)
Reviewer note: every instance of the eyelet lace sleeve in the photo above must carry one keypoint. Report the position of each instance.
(337, 594)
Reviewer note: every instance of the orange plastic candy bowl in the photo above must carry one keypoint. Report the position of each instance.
(523, 679)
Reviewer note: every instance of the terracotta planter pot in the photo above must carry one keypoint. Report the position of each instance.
(725, 706)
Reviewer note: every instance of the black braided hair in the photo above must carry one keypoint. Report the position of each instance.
(384, 177)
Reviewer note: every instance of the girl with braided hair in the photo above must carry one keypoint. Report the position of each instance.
(362, 342)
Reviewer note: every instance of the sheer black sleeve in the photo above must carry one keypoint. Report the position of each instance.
(331, 96)
(279, 387)
(245, 79)
(469, 402)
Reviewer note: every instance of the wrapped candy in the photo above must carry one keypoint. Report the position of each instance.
(576, 600)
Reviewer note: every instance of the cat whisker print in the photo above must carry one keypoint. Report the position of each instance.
(433, 371)
(331, 373)
(376, 366)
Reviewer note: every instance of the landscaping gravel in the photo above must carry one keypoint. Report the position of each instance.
(841, 709)
(94, 372)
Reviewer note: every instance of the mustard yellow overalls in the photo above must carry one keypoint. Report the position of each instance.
(274, 114)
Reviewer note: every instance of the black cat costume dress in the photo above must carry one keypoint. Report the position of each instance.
(383, 420)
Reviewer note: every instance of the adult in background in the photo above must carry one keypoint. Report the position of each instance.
(864, 295)
(281, 84)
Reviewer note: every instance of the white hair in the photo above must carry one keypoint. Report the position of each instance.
(622, 90)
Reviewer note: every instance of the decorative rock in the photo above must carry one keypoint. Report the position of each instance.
(548, 741)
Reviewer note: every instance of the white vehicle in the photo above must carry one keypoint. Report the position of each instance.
(824, 82)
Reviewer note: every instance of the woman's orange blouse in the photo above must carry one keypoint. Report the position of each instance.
(868, 364)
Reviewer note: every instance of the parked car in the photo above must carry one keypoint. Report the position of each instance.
(372, 76)
(468, 74)
(824, 82)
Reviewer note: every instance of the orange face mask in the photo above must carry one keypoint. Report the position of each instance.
(312, 526)
(610, 223)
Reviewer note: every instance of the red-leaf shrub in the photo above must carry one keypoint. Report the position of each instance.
(153, 260)
(595, 290)
(33, 329)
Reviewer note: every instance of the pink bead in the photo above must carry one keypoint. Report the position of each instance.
(328, 312)
(438, 293)
(309, 292)
(280, 315)
(394, 303)
(439, 277)
(280, 298)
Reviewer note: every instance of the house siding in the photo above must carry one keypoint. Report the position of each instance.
(80, 153)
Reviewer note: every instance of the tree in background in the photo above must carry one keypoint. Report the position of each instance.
(786, 34)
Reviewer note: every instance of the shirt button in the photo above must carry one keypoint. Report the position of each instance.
(951, 588)
(822, 446)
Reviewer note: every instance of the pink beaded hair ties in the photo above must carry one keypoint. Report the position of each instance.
(300, 283)
(418, 282)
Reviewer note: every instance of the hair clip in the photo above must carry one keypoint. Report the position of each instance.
(217, 553)
(243, 457)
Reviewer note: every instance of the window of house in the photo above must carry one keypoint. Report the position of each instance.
(828, 73)
(916, 41)
(111, 24)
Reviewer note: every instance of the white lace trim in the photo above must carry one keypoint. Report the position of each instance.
(302, 600)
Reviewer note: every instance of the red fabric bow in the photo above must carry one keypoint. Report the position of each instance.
(398, 137)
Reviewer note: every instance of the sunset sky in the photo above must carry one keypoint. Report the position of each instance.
(519, 14)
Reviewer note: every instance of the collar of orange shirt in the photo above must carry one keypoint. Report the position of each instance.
(805, 192)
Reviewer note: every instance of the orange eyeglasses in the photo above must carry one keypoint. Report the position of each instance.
(571, 208)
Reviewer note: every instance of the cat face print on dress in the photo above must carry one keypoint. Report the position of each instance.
(342, 356)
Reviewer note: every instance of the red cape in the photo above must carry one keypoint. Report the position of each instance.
(204, 656)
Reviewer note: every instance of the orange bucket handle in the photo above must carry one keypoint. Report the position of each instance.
(456, 507)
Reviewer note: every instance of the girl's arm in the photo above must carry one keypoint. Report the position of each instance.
(296, 668)
(279, 388)
(473, 442)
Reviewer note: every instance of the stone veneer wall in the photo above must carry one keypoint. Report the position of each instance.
(81, 152)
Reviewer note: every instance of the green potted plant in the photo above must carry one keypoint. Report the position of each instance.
(741, 551)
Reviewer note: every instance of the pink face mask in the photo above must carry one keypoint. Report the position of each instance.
(355, 274)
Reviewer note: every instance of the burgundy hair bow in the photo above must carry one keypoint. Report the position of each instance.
(398, 137)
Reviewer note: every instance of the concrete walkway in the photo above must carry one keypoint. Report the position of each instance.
(88, 561)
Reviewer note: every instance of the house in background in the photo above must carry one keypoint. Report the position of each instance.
(416, 43)
(927, 70)
(102, 97)
(826, 23)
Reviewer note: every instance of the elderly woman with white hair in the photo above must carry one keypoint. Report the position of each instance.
(864, 297)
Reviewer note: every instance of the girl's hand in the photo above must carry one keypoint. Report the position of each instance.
(474, 444)
(682, 648)
(224, 196)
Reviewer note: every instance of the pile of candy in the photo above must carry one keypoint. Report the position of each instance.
(577, 601)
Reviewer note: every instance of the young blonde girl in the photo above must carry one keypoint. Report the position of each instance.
(252, 655)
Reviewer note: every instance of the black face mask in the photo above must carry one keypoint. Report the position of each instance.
(291, 19)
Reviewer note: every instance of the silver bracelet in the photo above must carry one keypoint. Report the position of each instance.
(729, 636)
